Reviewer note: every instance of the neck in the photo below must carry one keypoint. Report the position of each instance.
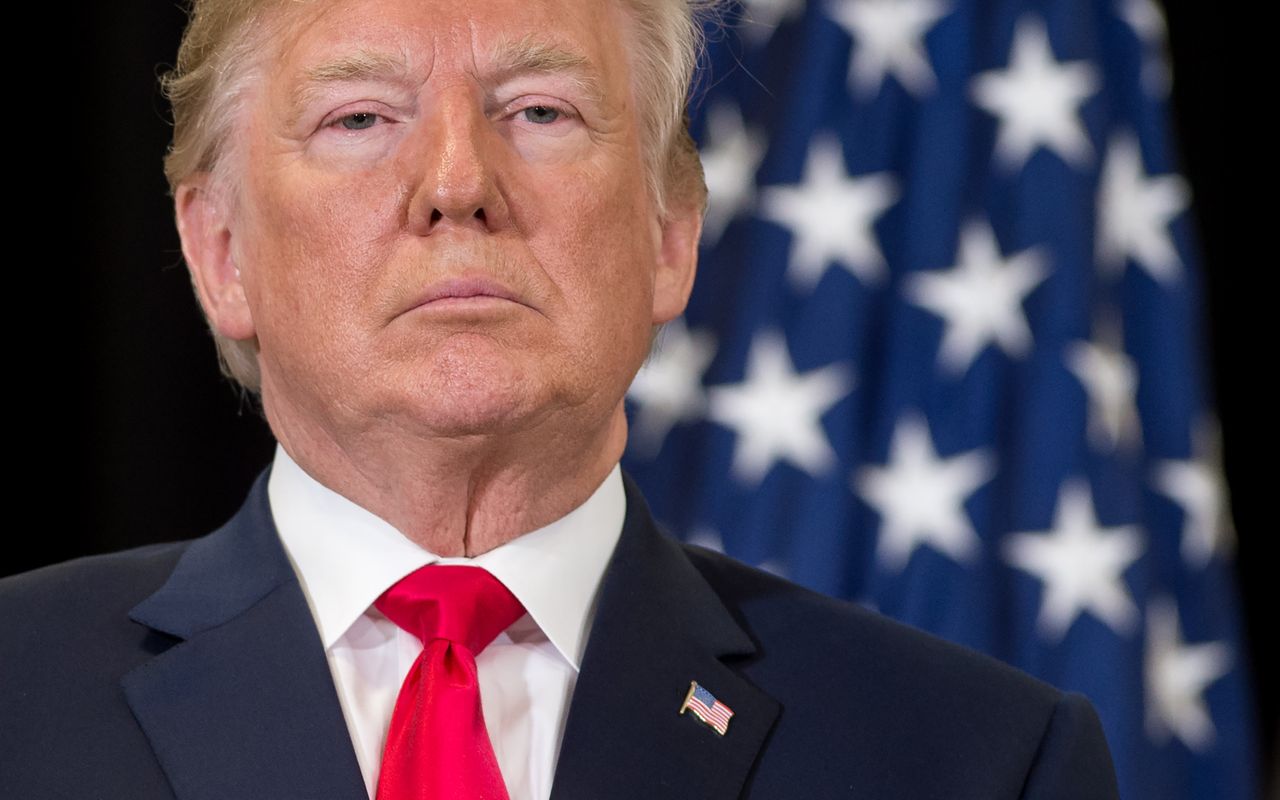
(459, 496)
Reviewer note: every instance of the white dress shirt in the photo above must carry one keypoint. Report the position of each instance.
(345, 557)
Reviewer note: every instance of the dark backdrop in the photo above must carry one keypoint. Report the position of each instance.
(126, 433)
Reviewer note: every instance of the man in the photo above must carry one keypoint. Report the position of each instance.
(436, 239)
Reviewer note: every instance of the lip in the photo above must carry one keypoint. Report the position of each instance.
(463, 291)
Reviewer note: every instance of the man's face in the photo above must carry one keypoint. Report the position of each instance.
(442, 221)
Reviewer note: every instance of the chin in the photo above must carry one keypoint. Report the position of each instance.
(480, 385)
(460, 413)
(472, 396)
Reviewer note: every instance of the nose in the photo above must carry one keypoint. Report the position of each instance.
(459, 157)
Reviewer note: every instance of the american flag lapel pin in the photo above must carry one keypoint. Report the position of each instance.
(707, 708)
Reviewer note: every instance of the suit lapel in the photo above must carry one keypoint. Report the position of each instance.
(243, 705)
(658, 626)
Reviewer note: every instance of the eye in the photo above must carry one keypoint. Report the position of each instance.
(359, 121)
(541, 115)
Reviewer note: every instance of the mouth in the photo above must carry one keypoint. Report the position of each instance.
(465, 294)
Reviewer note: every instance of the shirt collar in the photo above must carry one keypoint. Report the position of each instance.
(345, 556)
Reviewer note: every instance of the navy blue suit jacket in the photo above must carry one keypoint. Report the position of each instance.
(194, 670)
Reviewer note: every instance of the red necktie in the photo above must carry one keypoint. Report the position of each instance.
(438, 747)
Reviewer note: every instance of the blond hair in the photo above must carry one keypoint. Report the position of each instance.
(218, 60)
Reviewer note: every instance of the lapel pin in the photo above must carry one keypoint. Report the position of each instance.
(707, 708)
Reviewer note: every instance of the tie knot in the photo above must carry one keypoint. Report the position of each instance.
(463, 605)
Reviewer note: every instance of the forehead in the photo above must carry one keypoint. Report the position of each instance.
(325, 38)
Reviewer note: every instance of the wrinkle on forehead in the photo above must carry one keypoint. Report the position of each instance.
(508, 56)
(328, 42)
(531, 54)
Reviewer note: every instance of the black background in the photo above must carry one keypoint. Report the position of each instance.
(124, 431)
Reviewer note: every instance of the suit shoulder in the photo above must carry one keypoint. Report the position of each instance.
(85, 589)
(784, 618)
(897, 706)
(868, 702)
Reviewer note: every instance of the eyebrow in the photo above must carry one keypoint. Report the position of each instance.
(531, 54)
(361, 65)
(507, 59)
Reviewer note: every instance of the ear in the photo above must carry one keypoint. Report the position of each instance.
(205, 230)
(677, 262)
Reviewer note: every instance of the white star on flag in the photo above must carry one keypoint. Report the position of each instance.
(1110, 379)
(730, 158)
(1146, 19)
(980, 298)
(1177, 675)
(1134, 212)
(711, 539)
(706, 537)
(776, 413)
(1080, 563)
(888, 38)
(763, 17)
(1148, 23)
(1200, 487)
(831, 216)
(1037, 99)
(920, 497)
(668, 388)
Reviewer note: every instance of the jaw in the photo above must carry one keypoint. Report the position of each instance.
(467, 492)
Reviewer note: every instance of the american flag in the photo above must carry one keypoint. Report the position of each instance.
(945, 354)
(707, 708)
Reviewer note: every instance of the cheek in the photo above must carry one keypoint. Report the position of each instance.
(317, 244)
(607, 234)
(600, 254)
